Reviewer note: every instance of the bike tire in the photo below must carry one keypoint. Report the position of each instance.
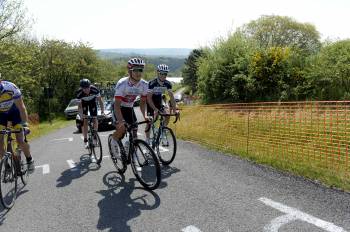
(167, 154)
(145, 165)
(8, 180)
(117, 159)
(97, 150)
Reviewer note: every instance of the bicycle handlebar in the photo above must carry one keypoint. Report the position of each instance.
(177, 115)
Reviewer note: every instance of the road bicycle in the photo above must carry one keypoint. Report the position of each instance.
(163, 140)
(12, 166)
(139, 154)
(94, 141)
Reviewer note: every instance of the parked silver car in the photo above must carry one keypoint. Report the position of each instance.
(104, 121)
(72, 109)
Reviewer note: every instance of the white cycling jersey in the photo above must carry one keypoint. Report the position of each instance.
(11, 92)
(127, 91)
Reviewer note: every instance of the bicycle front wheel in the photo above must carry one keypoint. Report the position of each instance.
(97, 148)
(145, 165)
(8, 182)
(166, 146)
(116, 155)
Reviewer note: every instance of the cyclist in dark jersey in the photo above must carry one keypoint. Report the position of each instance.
(87, 96)
(156, 89)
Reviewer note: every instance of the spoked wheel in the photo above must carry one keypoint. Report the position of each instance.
(116, 156)
(8, 182)
(166, 147)
(97, 148)
(145, 165)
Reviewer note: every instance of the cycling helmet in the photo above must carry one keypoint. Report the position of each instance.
(136, 62)
(163, 68)
(85, 83)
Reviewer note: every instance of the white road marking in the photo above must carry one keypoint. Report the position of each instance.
(70, 139)
(72, 165)
(191, 229)
(45, 167)
(293, 214)
(162, 149)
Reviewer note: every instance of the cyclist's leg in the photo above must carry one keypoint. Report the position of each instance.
(93, 113)
(166, 110)
(85, 126)
(15, 117)
(3, 123)
(132, 120)
(150, 112)
(119, 130)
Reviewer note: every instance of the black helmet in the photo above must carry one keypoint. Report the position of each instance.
(85, 83)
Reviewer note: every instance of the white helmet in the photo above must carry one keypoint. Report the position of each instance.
(136, 62)
(163, 68)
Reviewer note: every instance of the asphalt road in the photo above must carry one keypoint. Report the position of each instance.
(202, 190)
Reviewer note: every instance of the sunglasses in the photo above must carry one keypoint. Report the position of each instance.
(137, 70)
(163, 73)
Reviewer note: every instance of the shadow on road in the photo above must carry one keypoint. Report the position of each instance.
(4, 211)
(122, 202)
(166, 172)
(84, 166)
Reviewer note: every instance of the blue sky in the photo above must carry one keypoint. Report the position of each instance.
(173, 23)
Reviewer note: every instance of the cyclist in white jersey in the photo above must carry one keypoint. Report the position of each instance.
(12, 109)
(126, 91)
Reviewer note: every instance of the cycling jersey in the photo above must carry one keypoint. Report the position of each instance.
(11, 93)
(90, 97)
(127, 91)
(158, 89)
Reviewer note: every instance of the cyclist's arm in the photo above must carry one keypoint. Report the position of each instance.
(22, 109)
(143, 101)
(99, 98)
(80, 108)
(172, 100)
(150, 101)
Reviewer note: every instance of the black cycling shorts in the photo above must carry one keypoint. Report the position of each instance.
(90, 106)
(150, 111)
(128, 115)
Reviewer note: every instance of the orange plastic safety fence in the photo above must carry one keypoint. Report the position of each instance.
(314, 134)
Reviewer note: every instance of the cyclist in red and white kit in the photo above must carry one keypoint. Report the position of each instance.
(126, 91)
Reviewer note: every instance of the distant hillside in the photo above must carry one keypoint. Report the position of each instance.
(167, 52)
(174, 57)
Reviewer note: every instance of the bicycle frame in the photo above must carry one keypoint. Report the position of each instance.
(157, 131)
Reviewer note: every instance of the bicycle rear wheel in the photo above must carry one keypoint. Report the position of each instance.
(8, 182)
(166, 146)
(97, 148)
(145, 165)
(116, 155)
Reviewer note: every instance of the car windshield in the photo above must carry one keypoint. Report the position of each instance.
(73, 102)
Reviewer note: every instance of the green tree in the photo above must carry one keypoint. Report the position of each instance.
(13, 18)
(328, 74)
(190, 69)
(282, 31)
